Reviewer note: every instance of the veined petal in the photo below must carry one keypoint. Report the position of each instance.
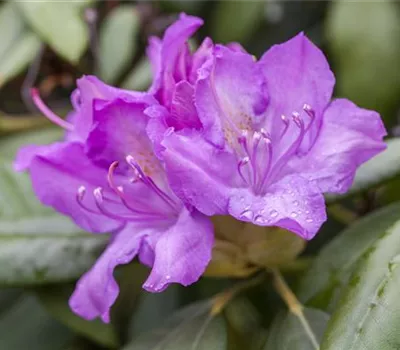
(97, 289)
(199, 57)
(182, 253)
(293, 203)
(198, 172)
(120, 130)
(57, 172)
(297, 73)
(230, 95)
(349, 136)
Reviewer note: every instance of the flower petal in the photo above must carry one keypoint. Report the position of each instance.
(198, 172)
(297, 73)
(97, 290)
(230, 95)
(182, 253)
(120, 130)
(57, 171)
(173, 46)
(349, 136)
(292, 203)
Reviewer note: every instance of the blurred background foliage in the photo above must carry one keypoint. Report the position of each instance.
(346, 279)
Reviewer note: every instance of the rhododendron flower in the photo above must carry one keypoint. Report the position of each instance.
(106, 177)
(272, 141)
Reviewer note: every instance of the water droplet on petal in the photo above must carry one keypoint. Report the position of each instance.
(309, 220)
(296, 203)
(293, 214)
(307, 212)
(262, 211)
(273, 213)
(167, 277)
(247, 214)
(242, 199)
(259, 219)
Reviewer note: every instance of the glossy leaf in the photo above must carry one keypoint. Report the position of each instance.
(38, 245)
(55, 300)
(287, 333)
(365, 52)
(118, 41)
(190, 328)
(331, 270)
(380, 169)
(368, 313)
(59, 24)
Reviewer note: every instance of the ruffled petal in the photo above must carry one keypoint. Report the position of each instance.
(57, 172)
(297, 73)
(182, 253)
(173, 46)
(198, 172)
(200, 56)
(230, 95)
(349, 136)
(293, 203)
(97, 289)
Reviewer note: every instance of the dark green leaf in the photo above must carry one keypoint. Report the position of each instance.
(236, 20)
(118, 41)
(191, 328)
(380, 169)
(287, 332)
(366, 53)
(333, 266)
(368, 313)
(60, 24)
(25, 325)
(55, 300)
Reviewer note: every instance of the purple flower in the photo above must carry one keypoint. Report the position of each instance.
(106, 177)
(272, 141)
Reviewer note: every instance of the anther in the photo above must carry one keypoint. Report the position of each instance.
(310, 112)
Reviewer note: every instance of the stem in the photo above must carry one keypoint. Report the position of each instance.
(294, 305)
(222, 299)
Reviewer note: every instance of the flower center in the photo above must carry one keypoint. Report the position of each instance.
(260, 159)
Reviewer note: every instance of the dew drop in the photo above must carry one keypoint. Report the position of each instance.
(296, 203)
(167, 277)
(273, 213)
(262, 211)
(307, 212)
(293, 214)
(247, 214)
(259, 219)
(309, 220)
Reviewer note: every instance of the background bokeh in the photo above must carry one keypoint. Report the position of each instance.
(50, 44)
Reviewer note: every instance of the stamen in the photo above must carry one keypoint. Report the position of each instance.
(310, 112)
(150, 183)
(80, 194)
(285, 121)
(243, 162)
(48, 113)
(99, 200)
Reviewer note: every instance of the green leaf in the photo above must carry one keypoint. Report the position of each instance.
(236, 20)
(18, 57)
(193, 327)
(140, 77)
(287, 332)
(331, 270)
(60, 24)
(11, 144)
(11, 27)
(368, 313)
(38, 245)
(118, 41)
(25, 325)
(380, 169)
(365, 53)
(55, 300)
